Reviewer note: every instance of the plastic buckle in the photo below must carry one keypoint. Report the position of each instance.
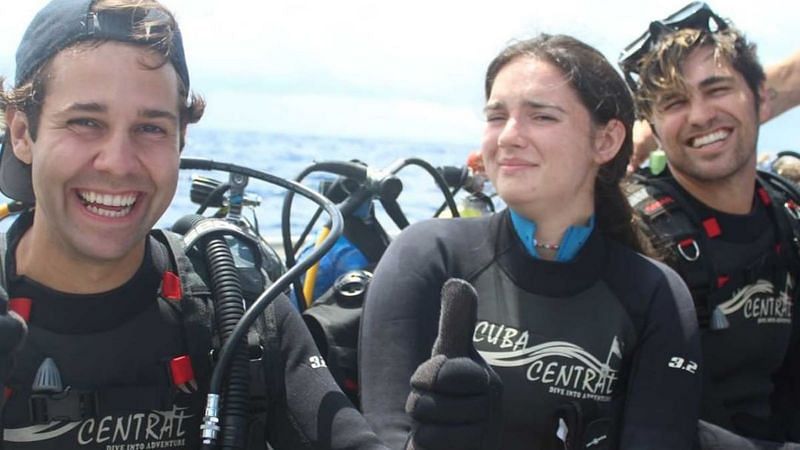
(70, 405)
(686, 244)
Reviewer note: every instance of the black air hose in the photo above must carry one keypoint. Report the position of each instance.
(210, 426)
(229, 308)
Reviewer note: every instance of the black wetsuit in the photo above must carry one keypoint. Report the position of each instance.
(611, 328)
(118, 343)
(751, 364)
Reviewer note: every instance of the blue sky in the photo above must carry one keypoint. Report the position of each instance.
(408, 70)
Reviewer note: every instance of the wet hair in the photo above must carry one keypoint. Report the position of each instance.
(155, 35)
(660, 69)
(605, 95)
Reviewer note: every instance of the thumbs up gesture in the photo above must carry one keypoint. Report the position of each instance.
(455, 397)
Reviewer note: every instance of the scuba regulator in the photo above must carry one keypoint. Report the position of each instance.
(245, 275)
(357, 185)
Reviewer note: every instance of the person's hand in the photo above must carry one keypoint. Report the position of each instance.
(12, 332)
(643, 144)
(455, 396)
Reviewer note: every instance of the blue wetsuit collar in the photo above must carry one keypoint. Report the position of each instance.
(571, 243)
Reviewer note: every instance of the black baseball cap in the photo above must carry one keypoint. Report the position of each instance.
(60, 24)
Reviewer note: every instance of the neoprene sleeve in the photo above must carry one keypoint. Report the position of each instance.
(307, 409)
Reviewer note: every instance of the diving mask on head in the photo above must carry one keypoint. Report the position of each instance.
(695, 15)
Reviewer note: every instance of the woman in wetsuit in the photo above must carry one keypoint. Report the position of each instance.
(596, 345)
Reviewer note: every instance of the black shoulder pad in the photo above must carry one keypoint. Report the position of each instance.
(191, 282)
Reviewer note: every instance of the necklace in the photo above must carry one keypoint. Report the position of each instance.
(538, 244)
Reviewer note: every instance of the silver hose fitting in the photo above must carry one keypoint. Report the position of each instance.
(210, 426)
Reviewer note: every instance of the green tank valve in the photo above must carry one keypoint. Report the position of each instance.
(658, 161)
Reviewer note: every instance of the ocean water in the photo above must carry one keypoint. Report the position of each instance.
(287, 155)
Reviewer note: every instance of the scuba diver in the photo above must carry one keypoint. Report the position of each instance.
(783, 89)
(595, 344)
(729, 230)
(122, 332)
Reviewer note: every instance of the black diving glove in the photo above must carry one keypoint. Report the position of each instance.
(455, 397)
(12, 332)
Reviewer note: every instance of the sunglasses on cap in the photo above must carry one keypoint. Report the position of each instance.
(695, 15)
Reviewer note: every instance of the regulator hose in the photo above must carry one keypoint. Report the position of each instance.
(229, 309)
(210, 427)
(342, 168)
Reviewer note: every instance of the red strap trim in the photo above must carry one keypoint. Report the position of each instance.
(21, 306)
(181, 370)
(722, 280)
(712, 227)
(171, 287)
(686, 242)
(7, 392)
(764, 196)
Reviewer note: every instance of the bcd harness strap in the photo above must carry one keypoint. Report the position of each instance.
(186, 306)
(262, 339)
(185, 301)
(675, 225)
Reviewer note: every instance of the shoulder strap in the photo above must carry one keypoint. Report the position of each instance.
(679, 234)
(676, 228)
(199, 331)
(191, 283)
(185, 301)
(783, 199)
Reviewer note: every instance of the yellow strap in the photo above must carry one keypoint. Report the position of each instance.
(311, 274)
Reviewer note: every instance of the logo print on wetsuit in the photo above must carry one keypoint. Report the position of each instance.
(566, 368)
(156, 429)
(758, 302)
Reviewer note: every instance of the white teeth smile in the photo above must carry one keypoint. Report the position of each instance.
(108, 212)
(709, 138)
(108, 199)
(108, 205)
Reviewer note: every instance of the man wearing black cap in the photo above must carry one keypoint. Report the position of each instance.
(730, 232)
(119, 334)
